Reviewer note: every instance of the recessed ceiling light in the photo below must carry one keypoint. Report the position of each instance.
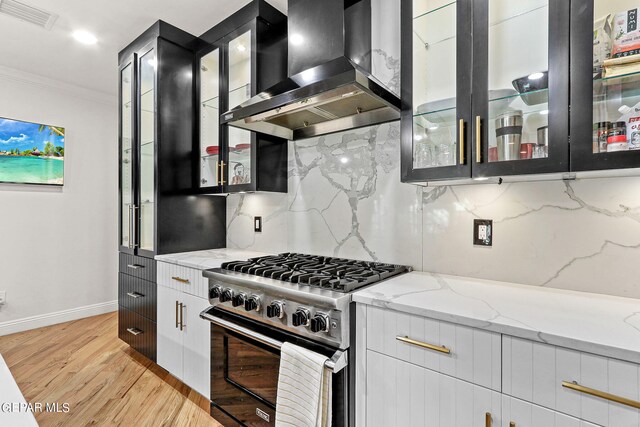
(85, 37)
(536, 76)
(297, 39)
(241, 48)
(344, 160)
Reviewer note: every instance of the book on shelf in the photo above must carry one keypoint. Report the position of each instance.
(620, 66)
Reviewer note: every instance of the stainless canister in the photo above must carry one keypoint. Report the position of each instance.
(509, 135)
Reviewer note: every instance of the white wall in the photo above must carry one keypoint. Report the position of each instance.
(58, 247)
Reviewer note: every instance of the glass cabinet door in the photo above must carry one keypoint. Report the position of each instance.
(147, 83)
(440, 80)
(210, 154)
(127, 196)
(605, 76)
(240, 142)
(521, 95)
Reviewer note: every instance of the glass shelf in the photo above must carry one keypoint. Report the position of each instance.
(436, 9)
(630, 78)
(212, 103)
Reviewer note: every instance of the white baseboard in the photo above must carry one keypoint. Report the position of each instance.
(48, 319)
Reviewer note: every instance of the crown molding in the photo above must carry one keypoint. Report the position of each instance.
(13, 75)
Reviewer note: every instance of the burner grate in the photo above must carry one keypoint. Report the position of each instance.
(338, 274)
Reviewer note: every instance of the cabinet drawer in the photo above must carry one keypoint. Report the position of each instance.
(137, 295)
(535, 372)
(137, 266)
(473, 355)
(523, 414)
(183, 279)
(401, 394)
(137, 331)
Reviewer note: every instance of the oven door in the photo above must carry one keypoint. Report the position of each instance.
(245, 361)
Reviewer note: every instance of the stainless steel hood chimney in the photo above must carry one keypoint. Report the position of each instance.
(330, 87)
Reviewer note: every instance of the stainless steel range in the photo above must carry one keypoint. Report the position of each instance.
(260, 303)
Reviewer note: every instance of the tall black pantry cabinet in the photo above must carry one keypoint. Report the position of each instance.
(158, 210)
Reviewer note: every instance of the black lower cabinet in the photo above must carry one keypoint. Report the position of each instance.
(137, 331)
(137, 304)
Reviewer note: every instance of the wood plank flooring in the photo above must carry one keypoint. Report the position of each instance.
(104, 381)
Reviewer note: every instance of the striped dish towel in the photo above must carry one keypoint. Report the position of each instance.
(304, 389)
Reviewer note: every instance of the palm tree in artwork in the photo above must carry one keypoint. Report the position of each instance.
(52, 130)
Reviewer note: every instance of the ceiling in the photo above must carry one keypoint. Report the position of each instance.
(56, 55)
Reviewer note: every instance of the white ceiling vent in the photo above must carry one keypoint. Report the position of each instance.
(27, 13)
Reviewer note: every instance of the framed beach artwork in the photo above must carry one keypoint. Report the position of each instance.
(31, 153)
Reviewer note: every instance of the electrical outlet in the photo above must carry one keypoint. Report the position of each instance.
(483, 232)
(3, 297)
(257, 224)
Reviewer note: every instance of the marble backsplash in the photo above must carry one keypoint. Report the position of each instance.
(346, 199)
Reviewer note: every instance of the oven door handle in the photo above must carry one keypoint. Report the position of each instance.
(337, 362)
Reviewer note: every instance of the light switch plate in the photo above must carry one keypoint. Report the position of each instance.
(483, 232)
(257, 224)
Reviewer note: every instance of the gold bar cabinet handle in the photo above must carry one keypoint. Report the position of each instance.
(512, 424)
(222, 182)
(601, 394)
(182, 307)
(181, 280)
(177, 308)
(462, 141)
(134, 331)
(487, 419)
(478, 139)
(438, 348)
(219, 173)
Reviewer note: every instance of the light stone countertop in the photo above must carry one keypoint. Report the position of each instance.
(600, 324)
(204, 260)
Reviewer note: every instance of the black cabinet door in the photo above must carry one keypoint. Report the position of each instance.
(436, 90)
(127, 156)
(211, 103)
(239, 166)
(598, 100)
(520, 87)
(146, 142)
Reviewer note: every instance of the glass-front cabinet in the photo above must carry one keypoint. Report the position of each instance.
(605, 85)
(231, 72)
(437, 129)
(138, 152)
(147, 66)
(489, 88)
(127, 156)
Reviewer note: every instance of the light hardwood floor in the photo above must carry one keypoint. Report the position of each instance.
(105, 382)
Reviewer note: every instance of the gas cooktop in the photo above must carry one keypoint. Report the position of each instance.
(337, 274)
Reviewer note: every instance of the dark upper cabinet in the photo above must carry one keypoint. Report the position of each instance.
(239, 58)
(485, 88)
(599, 100)
(157, 209)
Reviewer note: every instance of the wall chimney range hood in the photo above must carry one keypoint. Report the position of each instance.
(330, 87)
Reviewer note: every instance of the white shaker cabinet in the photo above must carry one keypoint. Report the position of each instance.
(518, 413)
(416, 371)
(401, 394)
(184, 340)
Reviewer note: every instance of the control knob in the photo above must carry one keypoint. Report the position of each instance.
(226, 295)
(215, 292)
(252, 303)
(275, 309)
(239, 299)
(301, 317)
(320, 323)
